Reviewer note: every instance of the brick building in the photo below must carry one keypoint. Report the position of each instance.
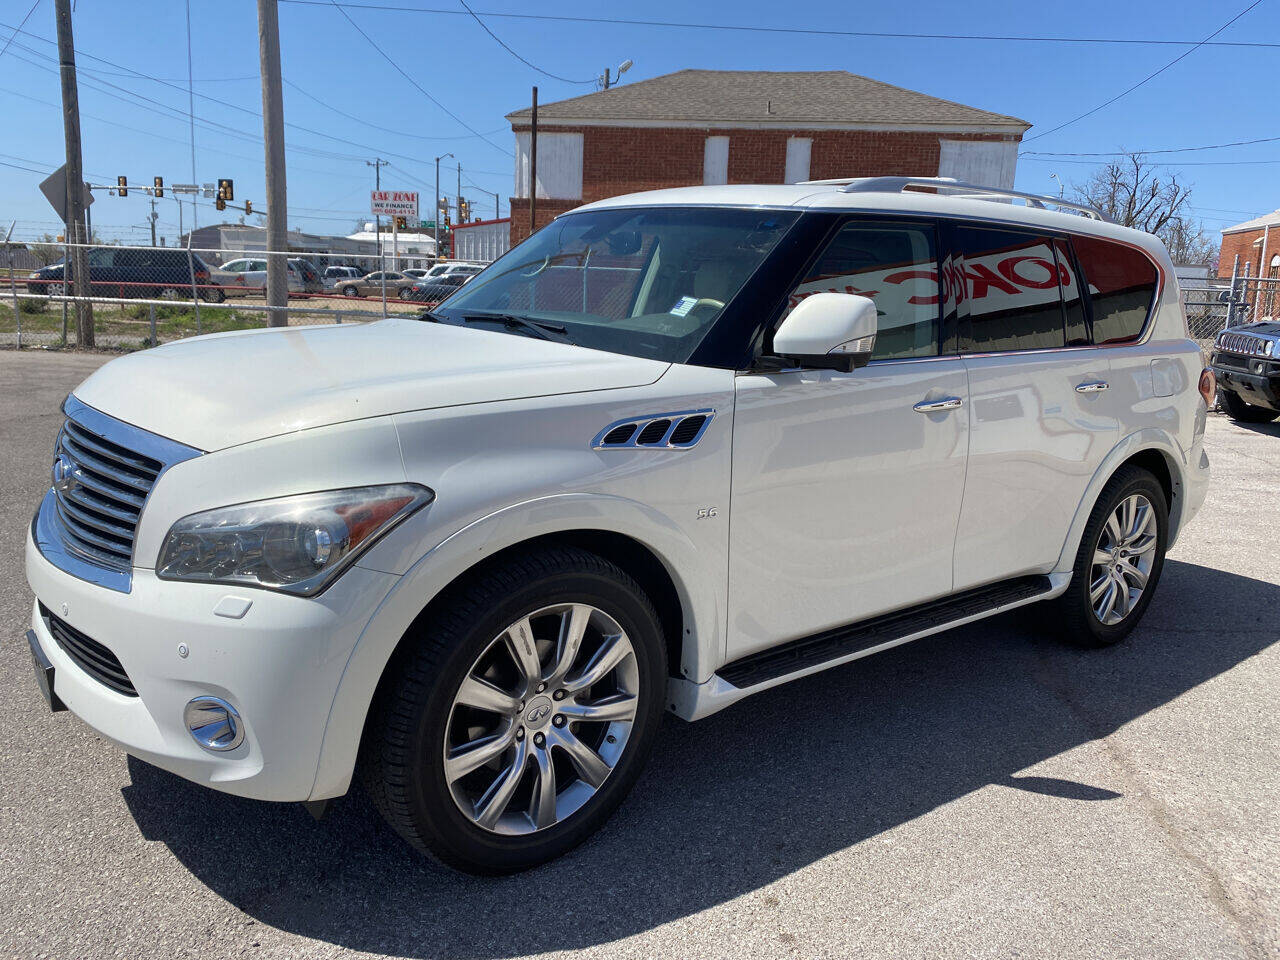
(1256, 242)
(731, 126)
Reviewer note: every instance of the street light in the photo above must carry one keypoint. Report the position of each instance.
(623, 67)
(1061, 188)
(435, 214)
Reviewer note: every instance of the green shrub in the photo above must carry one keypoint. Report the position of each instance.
(33, 305)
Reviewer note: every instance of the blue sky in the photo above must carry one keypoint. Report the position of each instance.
(354, 105)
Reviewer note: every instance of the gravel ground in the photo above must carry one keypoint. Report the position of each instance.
(983, 793)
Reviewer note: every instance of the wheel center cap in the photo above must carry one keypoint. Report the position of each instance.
(538, 714)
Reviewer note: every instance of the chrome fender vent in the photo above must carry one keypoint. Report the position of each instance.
(661, 431)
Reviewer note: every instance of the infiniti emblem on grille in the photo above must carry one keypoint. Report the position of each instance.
(64, 474)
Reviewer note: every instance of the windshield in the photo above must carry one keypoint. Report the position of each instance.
(648, 282)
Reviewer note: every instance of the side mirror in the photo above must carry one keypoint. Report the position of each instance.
(836, 331)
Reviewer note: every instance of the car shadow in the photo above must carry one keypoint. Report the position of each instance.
(736, 801)
(1271, 429)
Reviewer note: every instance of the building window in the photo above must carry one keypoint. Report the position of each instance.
(797, 159)
(559, 166)
(715, 160)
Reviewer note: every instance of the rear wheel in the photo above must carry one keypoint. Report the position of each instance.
(1237, 409)
(350, 291)
(1119, 562)
(520, 715)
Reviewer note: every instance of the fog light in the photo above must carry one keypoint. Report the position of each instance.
(214, 723)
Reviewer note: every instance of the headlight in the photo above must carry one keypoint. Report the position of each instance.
(295, 544)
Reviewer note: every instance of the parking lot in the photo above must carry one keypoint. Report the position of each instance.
(982, 793)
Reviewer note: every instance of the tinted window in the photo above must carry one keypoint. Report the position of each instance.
(1121, 282)
(1077, 329)
(1004, 289)
(896, 266)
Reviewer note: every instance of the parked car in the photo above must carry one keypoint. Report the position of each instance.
(416, 272)
(371, 284)
(335, 275)
(311, 280)
(1246, 362)
(473, 560)
(120, 272)
(247, 277)
(435, 289)
(454, 267)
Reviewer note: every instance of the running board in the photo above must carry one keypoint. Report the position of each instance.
(808, 653)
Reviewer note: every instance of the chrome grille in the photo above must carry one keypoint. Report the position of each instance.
(1245, 344)
(100, 488)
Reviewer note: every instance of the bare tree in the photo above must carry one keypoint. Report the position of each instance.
(1138, 193)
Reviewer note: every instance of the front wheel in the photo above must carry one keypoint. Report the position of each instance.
(1237, 409)
(518, 715)
(1119, 562)
(350, 291)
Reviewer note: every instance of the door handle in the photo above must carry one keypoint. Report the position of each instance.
(1093, 386)
(934, 406)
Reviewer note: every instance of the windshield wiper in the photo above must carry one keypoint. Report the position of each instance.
(429, 315)
(540, 328)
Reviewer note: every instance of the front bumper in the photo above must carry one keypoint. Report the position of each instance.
(1260, 389)
(279, 664)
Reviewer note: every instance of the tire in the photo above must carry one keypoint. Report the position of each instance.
(215, 295)
(419, 713)
(1078, 620)
(1237, 409)
(350, 291)
(405, 293)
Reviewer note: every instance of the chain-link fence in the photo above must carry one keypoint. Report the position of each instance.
(142, 296)
(1230, 303)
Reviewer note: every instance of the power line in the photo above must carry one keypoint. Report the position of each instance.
(749, 28)
(532, 66)
(1148, 77)
(1180, 163)
(19, 27)
(376, 126)
(382, 53)
(1125, 153)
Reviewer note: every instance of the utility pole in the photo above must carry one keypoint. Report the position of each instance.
(377, 164)
(458, 198)
(533, 165)
(436, 201)
(273, 134)
(79, 259)
(153, 219)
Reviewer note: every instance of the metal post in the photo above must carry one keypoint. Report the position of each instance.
(13, 288)
(75, 175)
(533, 165)
(273, 133)
(195, 293)
(458, 199)
(1231, 297)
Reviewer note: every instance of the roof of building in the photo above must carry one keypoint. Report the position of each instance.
(1271, 219)
(790, 98)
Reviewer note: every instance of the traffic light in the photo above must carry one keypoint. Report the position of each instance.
(226, 190)
(158, 186)
(220, 203)
(402, 223)
(447, 222)
(248, 206)
(122, 186)
(464, 210)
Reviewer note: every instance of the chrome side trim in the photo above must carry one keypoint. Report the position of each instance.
(641, 422)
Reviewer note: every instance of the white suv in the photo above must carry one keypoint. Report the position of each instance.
(675, 449)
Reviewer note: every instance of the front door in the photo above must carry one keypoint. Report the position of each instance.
(846, 487)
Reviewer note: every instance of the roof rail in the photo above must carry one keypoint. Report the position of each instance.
(957, 187)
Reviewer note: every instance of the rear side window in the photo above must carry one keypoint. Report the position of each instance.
(1006, 290)
(896, 266)
(1121, 282)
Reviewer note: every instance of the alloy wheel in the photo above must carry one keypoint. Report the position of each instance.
(541, 719)
(1122, 559)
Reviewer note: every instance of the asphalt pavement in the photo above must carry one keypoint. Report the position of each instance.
(986, 792)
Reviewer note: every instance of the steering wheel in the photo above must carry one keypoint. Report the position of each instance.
(546, 262)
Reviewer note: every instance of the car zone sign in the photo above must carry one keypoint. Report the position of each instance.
(394, 203)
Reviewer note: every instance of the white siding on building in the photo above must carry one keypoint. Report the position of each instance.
(559, 166)
(987, 163)
(798, 149)
(482, 241)
(715, 161)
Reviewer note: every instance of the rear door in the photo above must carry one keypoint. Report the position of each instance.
(847, 486)
(1041, 416)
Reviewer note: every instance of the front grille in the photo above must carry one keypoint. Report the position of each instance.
(89, 655)
(100, 487)
(1245, 344)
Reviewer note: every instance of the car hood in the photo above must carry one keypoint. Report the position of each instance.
(225, 389)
